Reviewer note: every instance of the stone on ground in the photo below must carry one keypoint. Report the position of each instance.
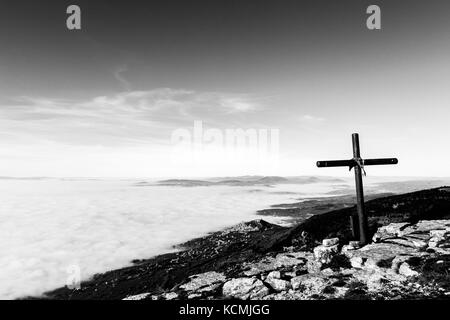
(309, 284)
(325, 254)
(330, 242)
(203, 282)
(405, 270)
(137, 296)
(245, 288)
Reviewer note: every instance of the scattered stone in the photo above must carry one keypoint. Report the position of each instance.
(381, 254)
(325, 254)
(434, 242)
(398, 260)
(419, 244)
(137, 296)
(274, 275)
(290, 295)
(265, 265)
(194, 295)
(375, 282)
(400, 241)
(278, 284)
(357, 262)
(291, 274)
(389, 231)
(442, 233)
(245, 288)
(429, 225)
(354, 244)
(330, 242)
(309, 284)
(208, 281)
(346, 248)
(328, 271)
(282, 260)
(290, 259)
(313, 266)
(170, 295)
(405, 269)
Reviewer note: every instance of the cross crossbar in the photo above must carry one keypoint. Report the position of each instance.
(351, 163)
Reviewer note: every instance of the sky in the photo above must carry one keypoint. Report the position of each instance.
(152, 88)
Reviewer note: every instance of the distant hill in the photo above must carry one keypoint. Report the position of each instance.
(241, 181)
(184, 183)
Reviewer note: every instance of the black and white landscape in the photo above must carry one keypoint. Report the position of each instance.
(166, 150)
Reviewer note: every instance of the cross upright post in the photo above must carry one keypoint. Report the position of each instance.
(357, 163)
(362, 218)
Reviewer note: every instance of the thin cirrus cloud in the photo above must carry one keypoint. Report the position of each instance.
(119, 118)
(311, 119)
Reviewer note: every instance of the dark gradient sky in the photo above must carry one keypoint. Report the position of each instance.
(309, 68)
(214, 45)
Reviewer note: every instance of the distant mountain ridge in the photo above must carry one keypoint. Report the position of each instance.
(242, 181)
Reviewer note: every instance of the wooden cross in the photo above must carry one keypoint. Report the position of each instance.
(358, 164)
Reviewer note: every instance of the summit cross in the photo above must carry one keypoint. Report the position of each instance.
(357, 163)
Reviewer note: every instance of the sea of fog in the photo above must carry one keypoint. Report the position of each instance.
(49, 226)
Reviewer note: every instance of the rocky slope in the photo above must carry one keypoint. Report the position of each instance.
(405, 261)
(257, 260)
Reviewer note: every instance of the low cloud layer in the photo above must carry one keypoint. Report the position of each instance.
(48, 226)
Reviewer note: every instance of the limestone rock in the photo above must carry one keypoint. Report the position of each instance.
(330, 242)
(381, 253)
(245, 288)
(289, 259)
(203, 282)
(274, 275)
(291, 274)
(441, 233)
(289, 295)
(401, 242)
(419, 244)
(194, 295)
(354, 244)
(313, 266)
(309, 284)
(170, 295)
(357, 262)
(398, 260)
(429, 225)
(267, 264)
(328, 272)
(325, 254)
(278, 284)
(405, 269)
(137, 296)
(375, 281)
(389, 231)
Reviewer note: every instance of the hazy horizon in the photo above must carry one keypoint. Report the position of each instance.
(351, 176)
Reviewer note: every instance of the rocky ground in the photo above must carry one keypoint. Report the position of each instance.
(409, 258)
(404, 261)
